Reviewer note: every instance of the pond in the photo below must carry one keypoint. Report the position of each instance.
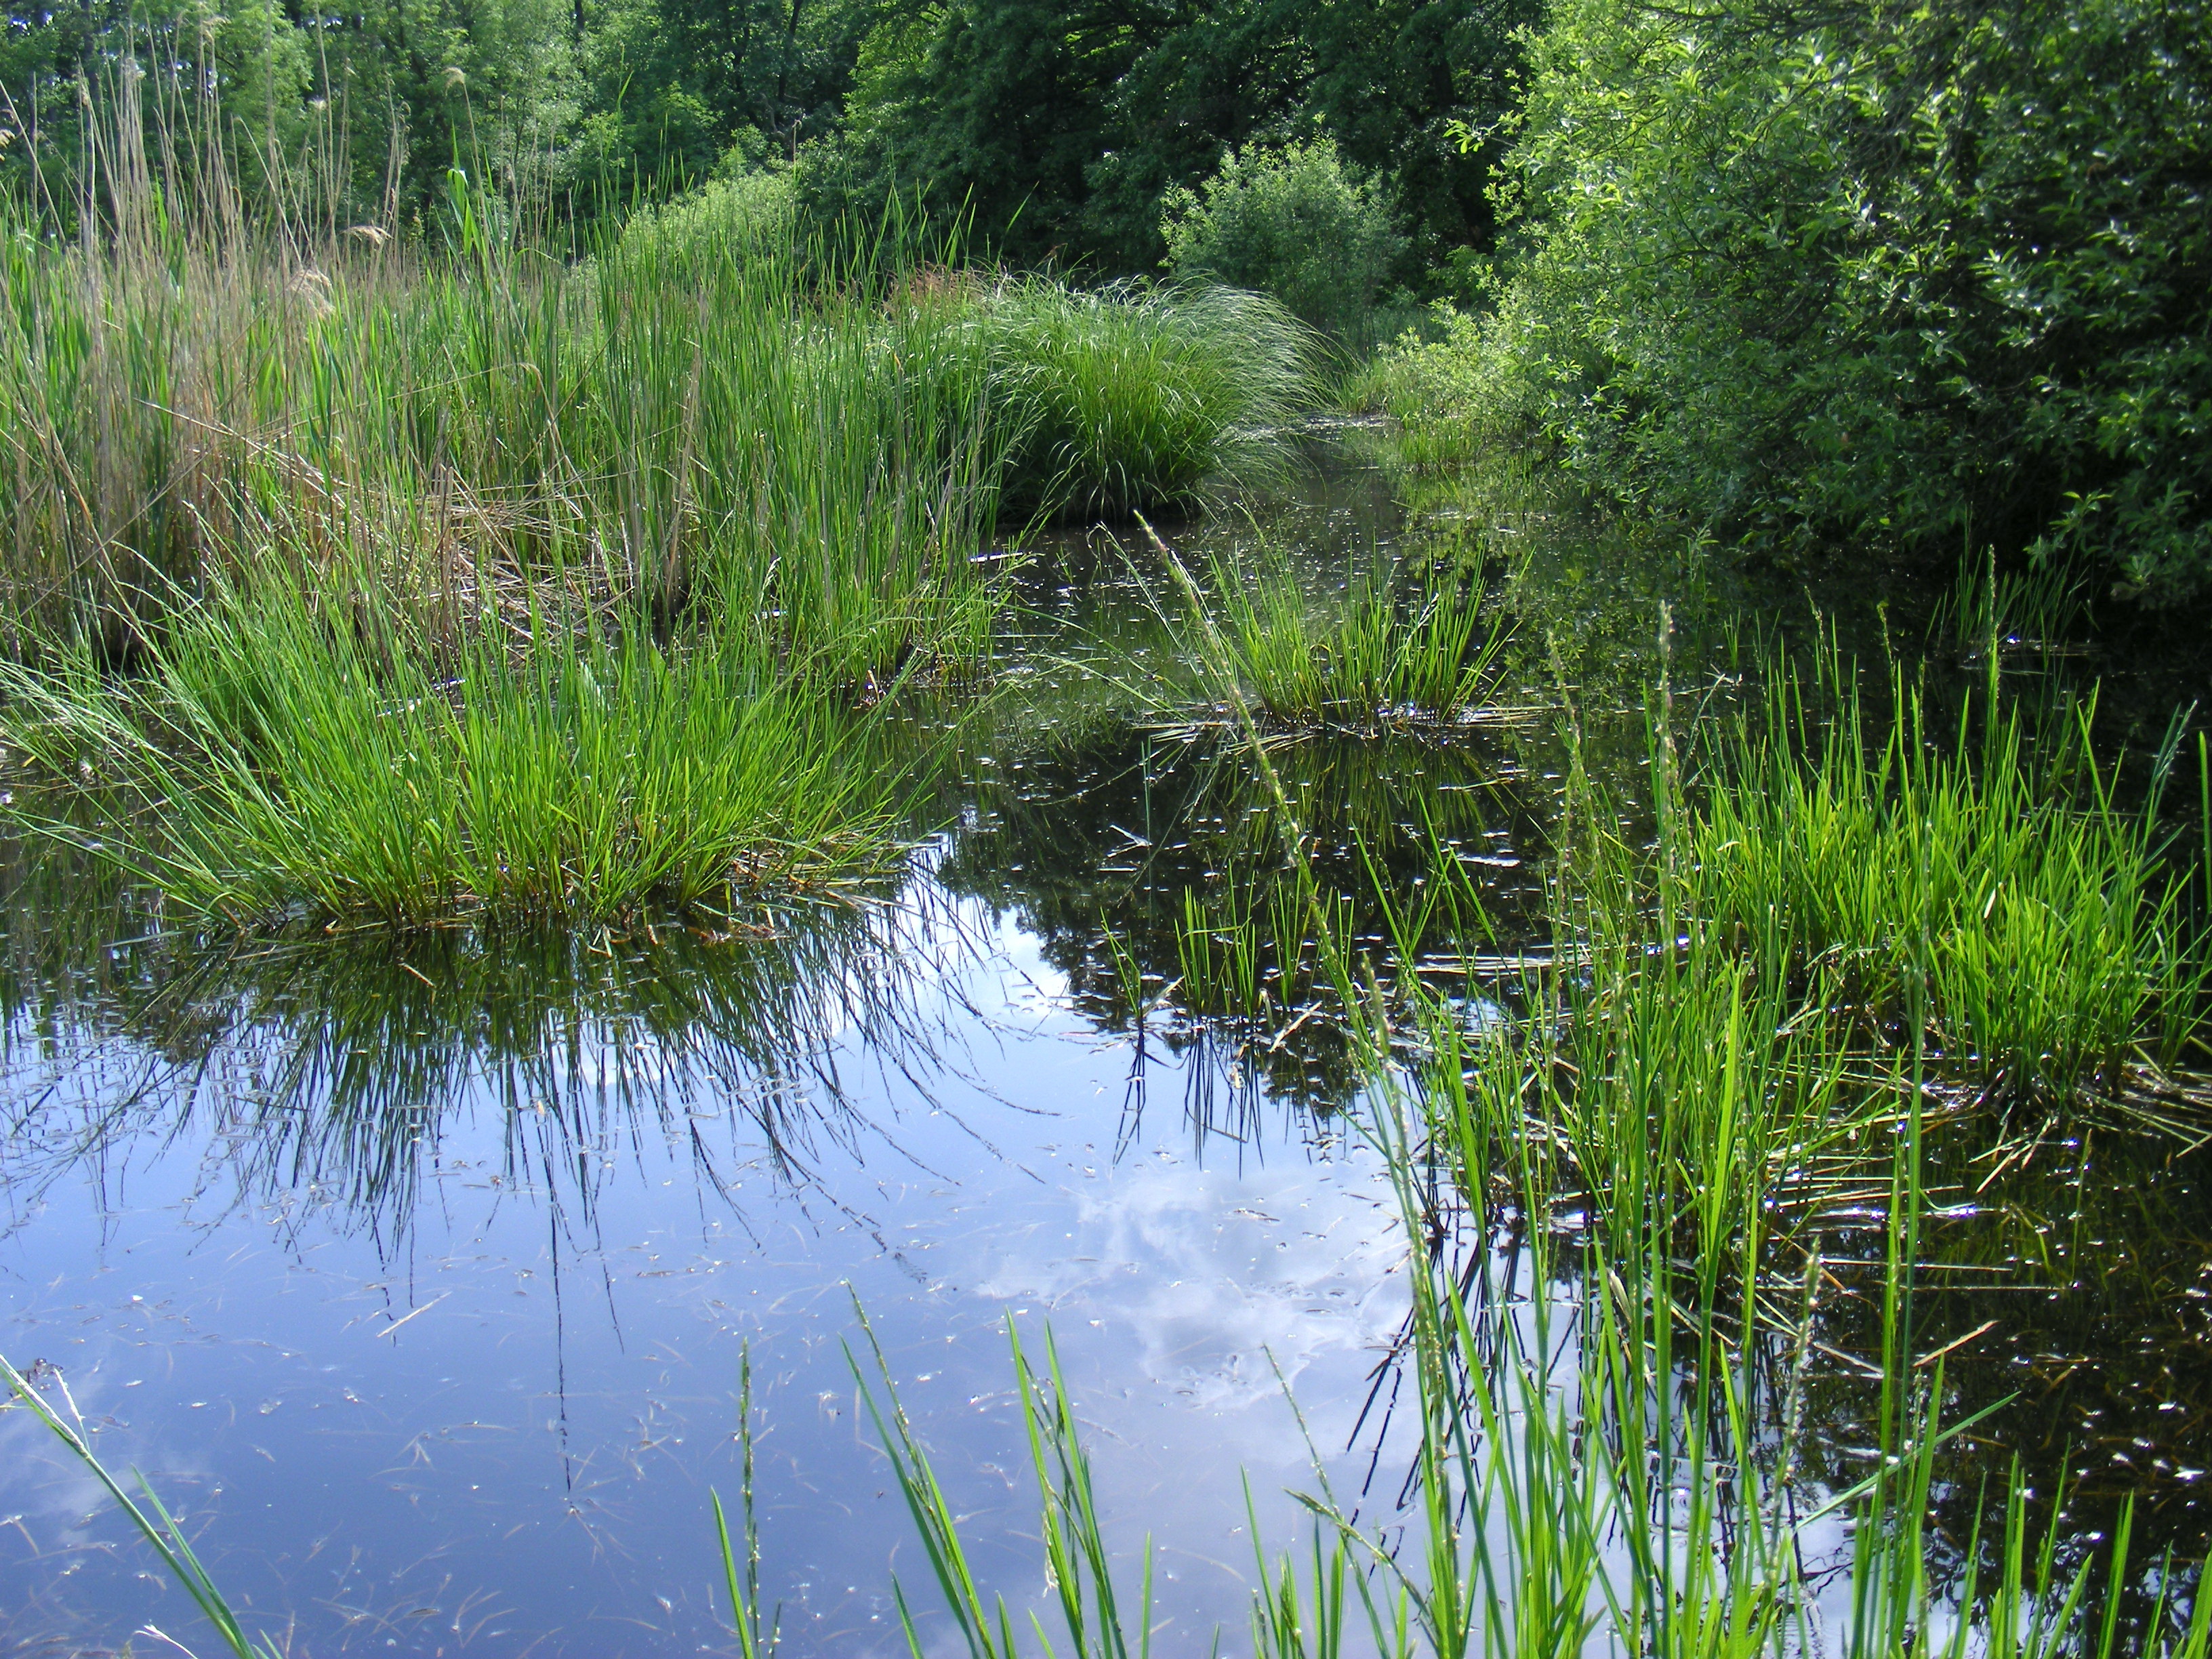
(420, 1272)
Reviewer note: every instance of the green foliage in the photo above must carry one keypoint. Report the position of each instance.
(2000, 880)
(1293, 221)
(1062, 128)
(724, 220)
(1911, 276)
(675, 91)
(1390, 651)
(1443, 393)
(1057, 131)
(706, 433)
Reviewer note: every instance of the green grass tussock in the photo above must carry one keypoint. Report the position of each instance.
(269, 765)
(1446, 409)
(1391, 650)
(1135, 399)
(2042, 911)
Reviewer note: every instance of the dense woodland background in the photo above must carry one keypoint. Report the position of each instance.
(1927, 279)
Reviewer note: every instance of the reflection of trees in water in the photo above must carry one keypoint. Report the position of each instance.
(2078, 1286)
(328, 1066)
(1093, 841)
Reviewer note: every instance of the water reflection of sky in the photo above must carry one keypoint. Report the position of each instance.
(477, 1406)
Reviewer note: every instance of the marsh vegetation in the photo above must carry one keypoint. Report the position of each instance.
(553, 683)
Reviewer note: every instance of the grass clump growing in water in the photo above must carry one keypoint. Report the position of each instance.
(1390, 651)
(777, 459)
(2052, 929)
(274, 761)
(1129, 398)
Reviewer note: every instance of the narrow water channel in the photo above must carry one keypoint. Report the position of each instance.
(417, 1272)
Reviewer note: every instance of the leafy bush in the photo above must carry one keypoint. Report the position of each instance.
(725, 218)
(1913, 274)
(1435, 390)
(1293, 222)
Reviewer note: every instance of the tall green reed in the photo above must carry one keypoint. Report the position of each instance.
(716, 409)
(159, 1527)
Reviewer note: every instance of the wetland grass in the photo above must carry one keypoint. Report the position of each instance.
(717, 435)
(1391, 652)
(1616, 1273)
(1613, 1197)
(1130, 399)
(2048, 912)
(270, 762)
(713, 414)
(402, 587)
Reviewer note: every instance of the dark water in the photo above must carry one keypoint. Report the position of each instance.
(415, 1273)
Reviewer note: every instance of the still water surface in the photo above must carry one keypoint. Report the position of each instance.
(454, 1368)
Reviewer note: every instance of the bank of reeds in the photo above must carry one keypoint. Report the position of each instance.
(396, 582)
(714, 412)
(696, 435)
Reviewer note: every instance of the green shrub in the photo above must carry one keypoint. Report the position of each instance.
(1436, 391)
(1294, 222)
(1908, 275)
(754, 211)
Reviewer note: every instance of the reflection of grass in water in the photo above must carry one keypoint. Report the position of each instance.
(1614, 1432)
(1563, 1494)
(1064, 840)
(332, 1063)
